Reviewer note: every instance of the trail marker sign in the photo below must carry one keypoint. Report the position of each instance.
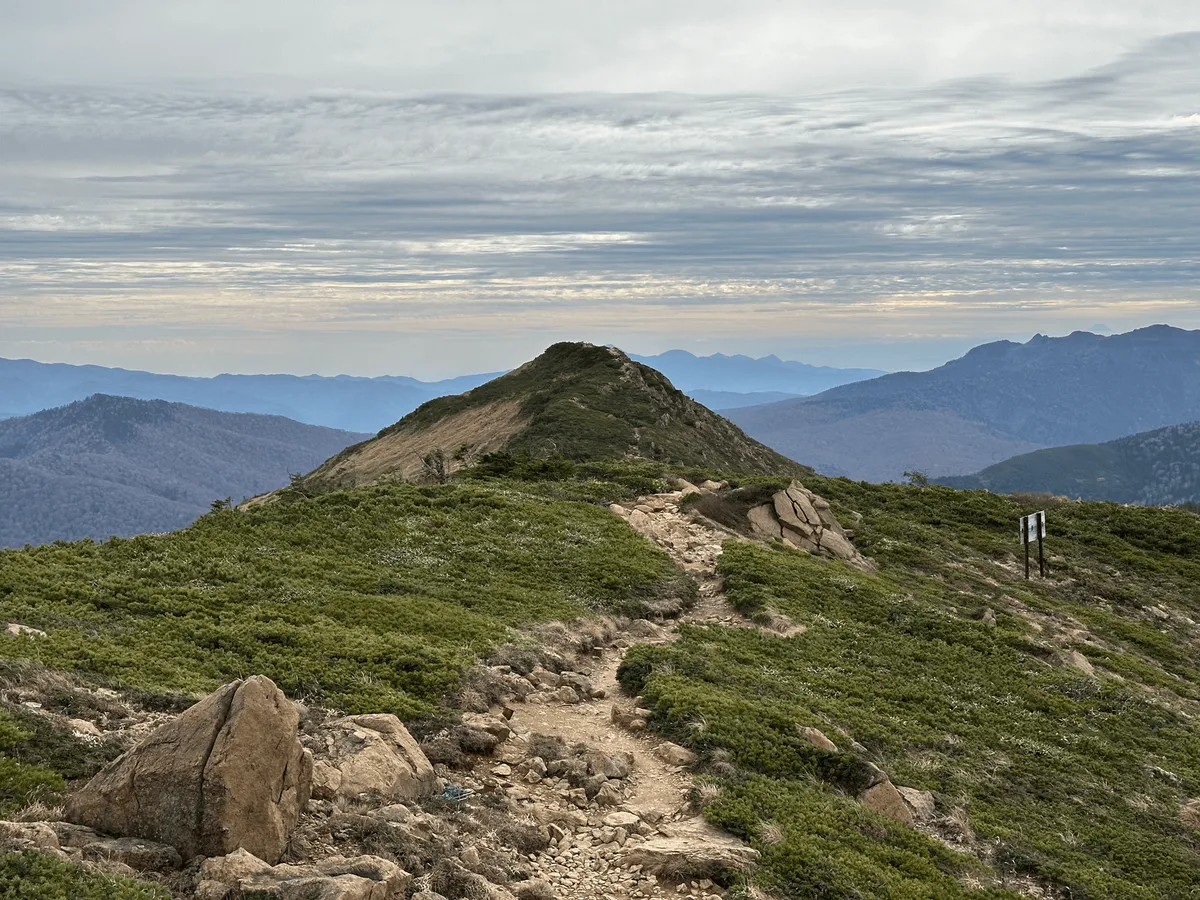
(1033, 528)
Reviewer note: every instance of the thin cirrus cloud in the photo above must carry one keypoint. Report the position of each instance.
(257, 227)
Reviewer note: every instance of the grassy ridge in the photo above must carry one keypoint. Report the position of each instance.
(583, 403)
(1066, 778)
(375, 599)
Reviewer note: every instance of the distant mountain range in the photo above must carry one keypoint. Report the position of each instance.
(369, 404)
(1155, 468)
(345, 402)
(117, 466)
(738, 376)
(999, 400)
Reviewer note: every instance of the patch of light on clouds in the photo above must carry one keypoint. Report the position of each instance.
(971, 207)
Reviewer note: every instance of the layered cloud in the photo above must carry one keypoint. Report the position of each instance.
(950, 211)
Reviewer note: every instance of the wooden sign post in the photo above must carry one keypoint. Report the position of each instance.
(1034, 526)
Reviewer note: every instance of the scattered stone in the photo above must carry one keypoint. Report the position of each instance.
(989, 617)
(229, 772)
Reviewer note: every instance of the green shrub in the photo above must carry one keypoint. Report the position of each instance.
(21, 782)
(34, 876)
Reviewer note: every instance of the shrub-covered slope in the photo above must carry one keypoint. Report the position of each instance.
(373, 600)
(577, 402)
(1156, 468)
(1070, 780)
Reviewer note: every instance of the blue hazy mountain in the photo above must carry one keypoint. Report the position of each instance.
(355, 403)
(344, 402)
(999, 400)
(118, 466)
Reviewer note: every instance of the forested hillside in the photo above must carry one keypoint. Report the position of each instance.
(1156, 468)
(116, 466)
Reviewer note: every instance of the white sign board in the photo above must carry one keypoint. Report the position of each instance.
(1030, 526)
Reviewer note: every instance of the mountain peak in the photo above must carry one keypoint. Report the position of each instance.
(577, 401)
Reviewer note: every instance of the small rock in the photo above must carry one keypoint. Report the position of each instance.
(566, 694)
(1189, 813)
(920, 802)
(15, 629)
(885, 800)
(817, 738)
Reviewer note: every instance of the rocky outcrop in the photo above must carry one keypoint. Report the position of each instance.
(229, 772)
(803, 520)
(373, 755)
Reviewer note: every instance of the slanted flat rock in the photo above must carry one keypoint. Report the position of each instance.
(694, 849)
(229, 772)
(803, 500)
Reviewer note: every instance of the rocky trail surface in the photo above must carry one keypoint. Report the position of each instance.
(655, 827)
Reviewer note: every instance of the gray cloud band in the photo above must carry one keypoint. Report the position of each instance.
(346, 207)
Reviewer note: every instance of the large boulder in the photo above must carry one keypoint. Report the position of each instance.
(229, 772)
(373, 755)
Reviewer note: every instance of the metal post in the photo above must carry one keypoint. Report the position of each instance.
(1025, 542)
(1041, 525)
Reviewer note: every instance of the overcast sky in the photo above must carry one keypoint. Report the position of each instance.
(435, 188)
